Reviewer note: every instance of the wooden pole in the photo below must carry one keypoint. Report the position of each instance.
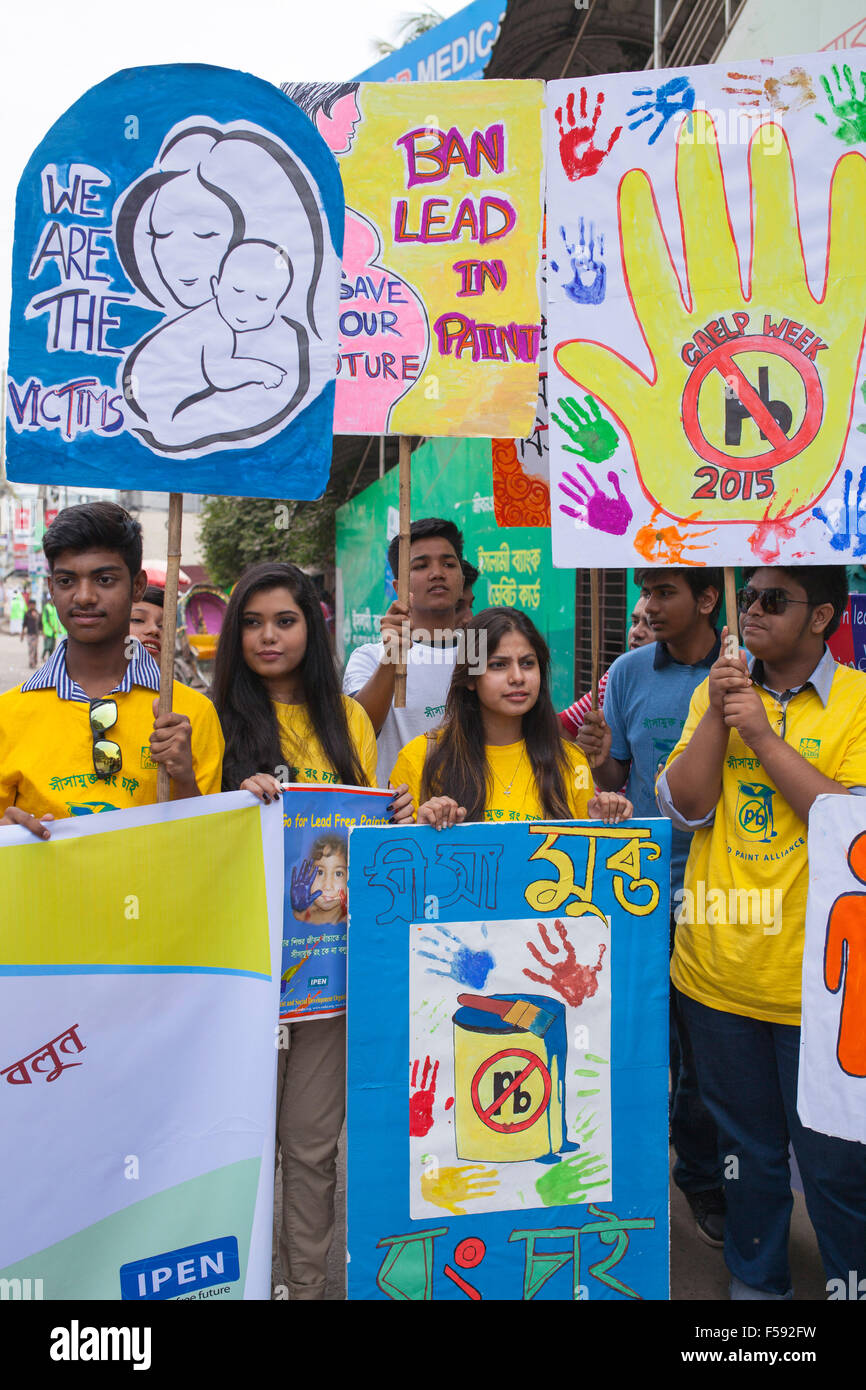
(403, 559)
(169, 626)
(732, 642)
(595, 634)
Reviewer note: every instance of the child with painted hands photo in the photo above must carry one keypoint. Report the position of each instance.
(499, 754)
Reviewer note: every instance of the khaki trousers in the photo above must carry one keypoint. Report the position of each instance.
(311, 1104)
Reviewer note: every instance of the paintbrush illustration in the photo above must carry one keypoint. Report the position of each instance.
(519, 1012)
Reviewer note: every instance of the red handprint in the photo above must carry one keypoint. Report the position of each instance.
(845, 958)
(577, 148)
(572, 981)
(421, 1101)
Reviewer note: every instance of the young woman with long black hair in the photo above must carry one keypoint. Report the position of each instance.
(499, 754)
(278, 696)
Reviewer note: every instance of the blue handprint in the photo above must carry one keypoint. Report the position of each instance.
(668, 100)
(841, 532)
(465, 966)
(590, 275)
(303, 879)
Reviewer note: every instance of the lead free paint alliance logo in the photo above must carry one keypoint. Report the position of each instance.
(181, 1273)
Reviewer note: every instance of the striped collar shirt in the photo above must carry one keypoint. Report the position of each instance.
(142, 670)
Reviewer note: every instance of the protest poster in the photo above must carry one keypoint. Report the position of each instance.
(439, 310)
(848, 643)
(831, 1095)
(521, 467)
(515, 975)
(138, 1010)
(176, 264)
(316, 824)
(706, 314)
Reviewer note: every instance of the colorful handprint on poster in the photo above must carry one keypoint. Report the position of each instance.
(708, 375)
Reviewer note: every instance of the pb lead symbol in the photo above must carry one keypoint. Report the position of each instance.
(730, 364)
(736, 412)
(519, 1089)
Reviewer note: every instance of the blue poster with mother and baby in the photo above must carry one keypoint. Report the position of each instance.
(176, 270)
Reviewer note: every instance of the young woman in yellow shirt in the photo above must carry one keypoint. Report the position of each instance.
(499, 754)
(278, 697)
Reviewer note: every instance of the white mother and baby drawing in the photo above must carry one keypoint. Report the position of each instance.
(228, 235)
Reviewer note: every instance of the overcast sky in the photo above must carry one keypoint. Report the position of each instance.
(52, 51)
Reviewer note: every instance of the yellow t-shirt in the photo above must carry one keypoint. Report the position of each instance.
(506, 762)
(738, 954)
(46, 751)
(303, 751)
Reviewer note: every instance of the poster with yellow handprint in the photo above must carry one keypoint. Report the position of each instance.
(706, 382)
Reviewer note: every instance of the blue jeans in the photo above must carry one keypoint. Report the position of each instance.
(694, 1135)
(747, 1071)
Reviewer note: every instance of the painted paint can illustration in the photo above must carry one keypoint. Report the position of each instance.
(509, 1078)
(755, 811)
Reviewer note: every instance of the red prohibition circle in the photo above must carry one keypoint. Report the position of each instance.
(535, 1063)
(721, 360)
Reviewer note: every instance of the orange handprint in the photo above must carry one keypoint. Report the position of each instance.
(751, 388)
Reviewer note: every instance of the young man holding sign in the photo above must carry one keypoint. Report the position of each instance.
(762, 740)
(436, 582)
(82, 734)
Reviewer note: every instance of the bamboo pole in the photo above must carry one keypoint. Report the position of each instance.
(169, 626)
(594, 634)
(732, 641)
(405, 480)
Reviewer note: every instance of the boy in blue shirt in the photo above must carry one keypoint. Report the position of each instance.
(645, 707)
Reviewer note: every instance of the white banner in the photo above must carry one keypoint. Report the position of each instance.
(832, 1086)
(139, 993)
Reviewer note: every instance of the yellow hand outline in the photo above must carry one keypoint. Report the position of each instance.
(651, 408)
(446, 1187)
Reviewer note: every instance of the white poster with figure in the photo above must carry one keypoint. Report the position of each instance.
(516, 1015)
(832, 1081)
(706, 313)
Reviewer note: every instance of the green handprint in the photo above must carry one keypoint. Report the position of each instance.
(568, 1182)
(851, 115)
(595, 437)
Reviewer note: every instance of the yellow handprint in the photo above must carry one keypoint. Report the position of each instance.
(447, 1187)
(751, 391)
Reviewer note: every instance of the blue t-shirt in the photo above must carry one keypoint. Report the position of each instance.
(645, 704)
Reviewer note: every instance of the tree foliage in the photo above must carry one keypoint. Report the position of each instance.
(240, 531)
(413, 26)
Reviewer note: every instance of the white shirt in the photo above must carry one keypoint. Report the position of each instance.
(428, 676)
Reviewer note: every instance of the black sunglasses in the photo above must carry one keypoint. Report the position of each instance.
(772, 601)
(107, 757)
